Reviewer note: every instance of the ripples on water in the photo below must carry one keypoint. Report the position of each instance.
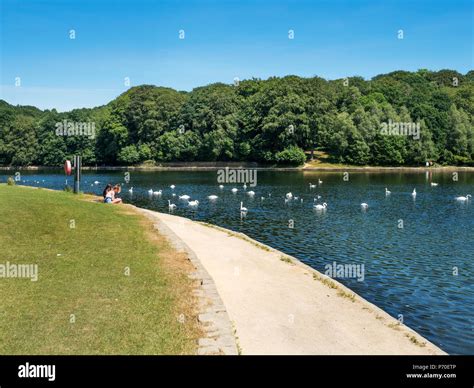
(408, 271)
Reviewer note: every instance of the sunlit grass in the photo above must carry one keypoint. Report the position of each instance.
(83, 301)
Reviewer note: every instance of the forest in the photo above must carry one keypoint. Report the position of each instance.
(278, 121)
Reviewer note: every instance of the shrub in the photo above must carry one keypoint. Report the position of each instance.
(144, 152)
(292, 156)
(129, 155)
(10, 181)
(459, 160)
(244, 149)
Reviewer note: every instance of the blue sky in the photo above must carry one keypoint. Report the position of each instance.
(139, 39)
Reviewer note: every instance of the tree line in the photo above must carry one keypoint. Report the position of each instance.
(273, 121)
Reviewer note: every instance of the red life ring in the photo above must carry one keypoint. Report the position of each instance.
(67, 167)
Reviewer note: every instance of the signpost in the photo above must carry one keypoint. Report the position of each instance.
(77, 173)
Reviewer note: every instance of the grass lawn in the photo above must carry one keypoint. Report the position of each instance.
(83, 301)
(323, 159)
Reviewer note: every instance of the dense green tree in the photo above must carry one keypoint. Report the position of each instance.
(19, 144)
(112, 137)
(128, 155)
(270, 121)
(459, 133)
(176, 146)
(52, 149)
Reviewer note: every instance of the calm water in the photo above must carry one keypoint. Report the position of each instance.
(408, 271)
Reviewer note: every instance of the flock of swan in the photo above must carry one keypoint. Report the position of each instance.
(365, 206)
(195, 203)
(289, 197)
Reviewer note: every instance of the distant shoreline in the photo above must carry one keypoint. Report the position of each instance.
(236, 165)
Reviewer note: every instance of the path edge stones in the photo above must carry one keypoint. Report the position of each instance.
(219, 333)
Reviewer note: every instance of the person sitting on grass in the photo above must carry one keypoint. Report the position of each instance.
(110, 193)
(117, 189)
(106, 190)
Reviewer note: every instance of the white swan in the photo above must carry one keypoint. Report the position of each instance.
(387, 191)
(321, 207)
(96, 182)
(434, 184)
(363, 205)
(221, 186)
(172, 187)
(461, 198)
(413, 194)
(171, 206)
(193, 203)
(320, 181)
(130, 190)
(185, 197)
(243, 209)
(311, 186)
(159, 192)
(289, 195)
(213, 197)
(251, 193)
(245, 186)
(150, 191)
(234, 190)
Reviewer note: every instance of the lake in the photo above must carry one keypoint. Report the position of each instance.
(418, 253)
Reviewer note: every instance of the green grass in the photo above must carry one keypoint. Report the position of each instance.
(323, 159)
(415, 341)
(114, 313)
(286, 259)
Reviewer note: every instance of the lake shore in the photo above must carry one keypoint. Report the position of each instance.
(204, 166)
(278, 305)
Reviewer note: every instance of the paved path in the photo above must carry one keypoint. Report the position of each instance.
(280, 308)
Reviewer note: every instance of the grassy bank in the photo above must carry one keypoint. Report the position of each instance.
(85, 301)
(322, 161)
(310, 166)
